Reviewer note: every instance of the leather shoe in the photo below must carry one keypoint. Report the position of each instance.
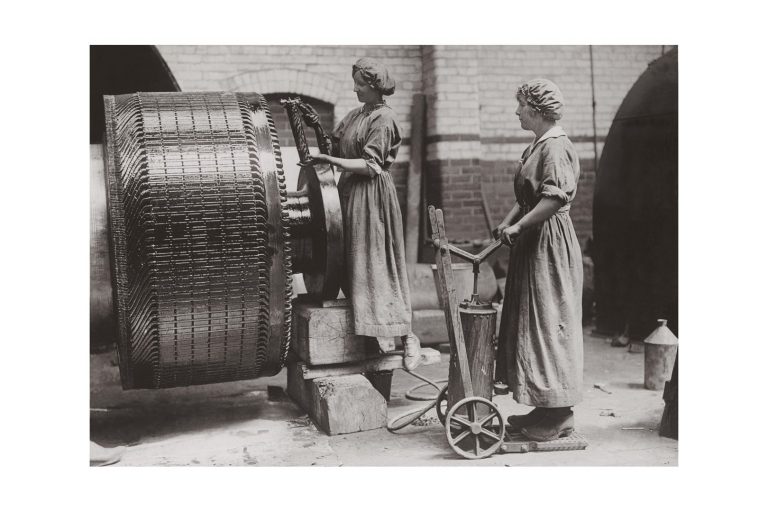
(411, 352)
(550, 427)
(518, 421)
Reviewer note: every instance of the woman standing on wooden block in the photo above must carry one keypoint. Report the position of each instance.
(365, 145)
(540, 335)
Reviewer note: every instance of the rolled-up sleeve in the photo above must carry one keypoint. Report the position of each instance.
(557, 177)
(381, 146)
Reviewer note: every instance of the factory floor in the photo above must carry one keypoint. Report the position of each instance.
(254, 423)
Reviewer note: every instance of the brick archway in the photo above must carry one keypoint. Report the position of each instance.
(285, 80)
(324, 109)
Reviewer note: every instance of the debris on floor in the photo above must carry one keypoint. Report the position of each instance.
(602, 387)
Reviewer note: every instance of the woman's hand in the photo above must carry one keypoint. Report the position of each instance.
(511, 233)
(321, 158)
(316, 159)
(497, 231)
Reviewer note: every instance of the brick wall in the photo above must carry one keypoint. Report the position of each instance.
(321, 72)
(474, 140)
(503, 68)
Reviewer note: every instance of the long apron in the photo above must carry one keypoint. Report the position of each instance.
(541, 332)
(377, 281)
(375, 252)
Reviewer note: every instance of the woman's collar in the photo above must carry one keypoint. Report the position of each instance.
(371, 107)
(555, 131)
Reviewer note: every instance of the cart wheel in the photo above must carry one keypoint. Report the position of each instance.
(475, 428)
(441, 405)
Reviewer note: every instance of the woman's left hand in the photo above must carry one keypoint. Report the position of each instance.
(315, 159)
(510, 234)
(321, 158)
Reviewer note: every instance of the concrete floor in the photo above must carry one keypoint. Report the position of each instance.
(241, 424)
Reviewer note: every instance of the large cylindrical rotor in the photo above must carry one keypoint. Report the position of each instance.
(200, 225)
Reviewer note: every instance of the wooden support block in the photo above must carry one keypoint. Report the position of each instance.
(325, 335)
(340, 405)
(376, 364)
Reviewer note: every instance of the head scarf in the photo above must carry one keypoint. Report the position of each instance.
(375, 75)
(543, 96)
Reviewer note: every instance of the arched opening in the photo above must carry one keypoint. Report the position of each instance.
(635, 209)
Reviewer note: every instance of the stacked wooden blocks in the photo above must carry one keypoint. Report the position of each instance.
(341, 379)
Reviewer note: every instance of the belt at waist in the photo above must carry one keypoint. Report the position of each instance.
(565, 209)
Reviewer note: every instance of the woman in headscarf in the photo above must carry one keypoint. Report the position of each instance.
(365, 145)
(541, 336)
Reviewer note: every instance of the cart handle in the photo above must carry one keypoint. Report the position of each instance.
(475, 259)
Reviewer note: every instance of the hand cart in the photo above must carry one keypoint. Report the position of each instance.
(474, 426)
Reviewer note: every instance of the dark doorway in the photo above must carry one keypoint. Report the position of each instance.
(324, 109)
(635, 209)
(117, 69)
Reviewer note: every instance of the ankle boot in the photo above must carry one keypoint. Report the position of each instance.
(556, 423)
(411, 351)
(517, 422)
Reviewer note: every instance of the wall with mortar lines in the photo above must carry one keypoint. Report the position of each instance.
(474, 139)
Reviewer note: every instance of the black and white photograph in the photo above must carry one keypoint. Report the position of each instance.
(355, 256)
(384, 255)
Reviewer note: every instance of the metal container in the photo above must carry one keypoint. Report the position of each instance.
(660, 351)
(464, 279)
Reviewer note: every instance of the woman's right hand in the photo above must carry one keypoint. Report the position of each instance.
(497, 232)
(511, 233)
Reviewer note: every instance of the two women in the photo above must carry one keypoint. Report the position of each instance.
(540, 337)
(366, 143)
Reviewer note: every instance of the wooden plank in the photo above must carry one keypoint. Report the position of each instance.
(377, 364)
(414, 186)
(517, 443)
(487, 212)
(336, 303)
(348, 403)
(447, 290)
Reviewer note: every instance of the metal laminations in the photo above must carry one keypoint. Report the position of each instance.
(199, 238)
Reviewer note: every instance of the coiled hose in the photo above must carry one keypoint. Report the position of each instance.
(409, 417)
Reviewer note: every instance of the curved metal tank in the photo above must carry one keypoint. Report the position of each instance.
(635, 208)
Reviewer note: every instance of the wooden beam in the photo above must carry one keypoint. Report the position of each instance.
(447, 289)
(413, 201)
(375, 364)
